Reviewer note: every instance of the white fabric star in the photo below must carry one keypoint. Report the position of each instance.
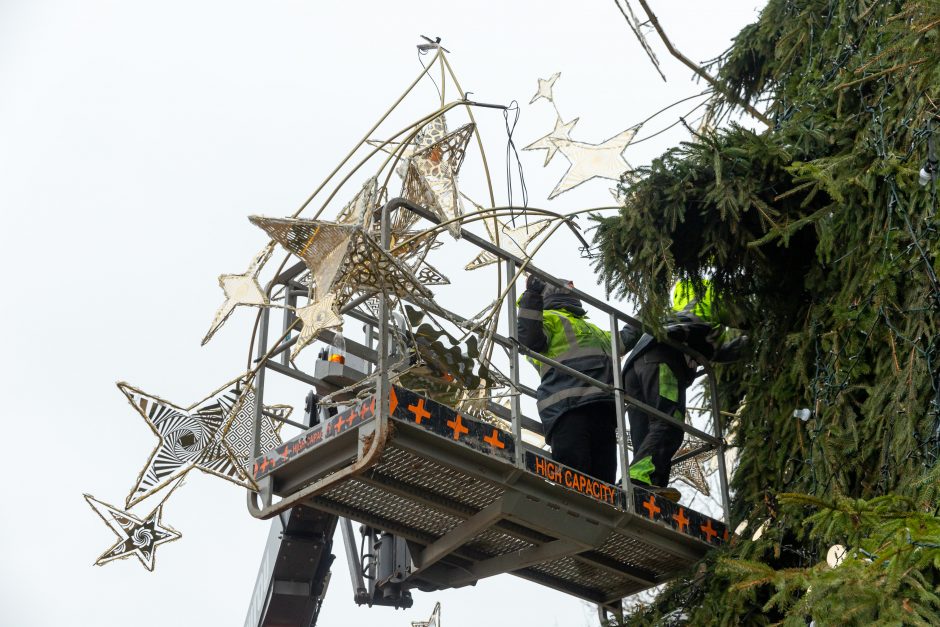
(562, 131)
(593, 160)
(241, 289)
(545, 88)
(135, 536)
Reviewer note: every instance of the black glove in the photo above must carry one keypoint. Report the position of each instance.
(534, 284)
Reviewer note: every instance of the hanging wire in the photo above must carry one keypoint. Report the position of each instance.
(512, 152)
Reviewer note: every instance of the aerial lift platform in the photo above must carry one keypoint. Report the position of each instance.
(446, 499)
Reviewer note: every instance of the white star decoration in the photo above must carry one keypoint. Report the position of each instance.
(545, 88)
(593, 160)
(241, 289)
(562, 131)
(135, 536)
(514, 241)
(318, 315)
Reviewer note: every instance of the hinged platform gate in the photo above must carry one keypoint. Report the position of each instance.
(471, 499)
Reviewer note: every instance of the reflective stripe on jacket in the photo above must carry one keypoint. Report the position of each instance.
(570, 339)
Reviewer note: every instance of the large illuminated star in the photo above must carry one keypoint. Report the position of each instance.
(431, 180)
(138, 537)
(208, 435)
(562, 131)
(545, 88)
(241, 289)
(593, 160)
(318, 315)
(512, 240)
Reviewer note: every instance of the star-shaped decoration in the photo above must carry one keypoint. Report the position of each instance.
(343, 260)
(318, 315)
(593, 160)
(241, 289)
(429, 134)
(434, 621)
(512, 240)
(208, 435)
(562, 131)
(545, 88)
(137, 537)
(359, 210)
(431, 180)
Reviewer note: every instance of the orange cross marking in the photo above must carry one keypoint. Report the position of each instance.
(457, 426)
(681, 519)
(493, 439)
(651, 507)
(708, 530)
(370, 407)
(419, 411)
(350, 418)
(392, 401)
(725, 537)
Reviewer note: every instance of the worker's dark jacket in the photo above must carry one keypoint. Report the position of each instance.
(686, 328)
(558, 328)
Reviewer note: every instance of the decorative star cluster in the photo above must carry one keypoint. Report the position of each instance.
(587, 161)
(136, 537)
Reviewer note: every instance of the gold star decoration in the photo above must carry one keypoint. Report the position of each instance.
(241, 289)
(434, 621)
(343, 260)
(431, 179)
(588, 161)
(318, 315)
(212, 435)
(429, 134)
(545, 88)
(359, 210)
(562, 131)
(512, 240)
(136, 536)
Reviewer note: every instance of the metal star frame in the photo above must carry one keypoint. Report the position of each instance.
(241, 289)
(209, 435)
(431, 179)
(318, 315)
(136, 537)
(342, 259)
(545, 88)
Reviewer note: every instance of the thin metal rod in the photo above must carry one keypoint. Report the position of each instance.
(259, 385)
(515, 405)
(625, 482)
(273, 416)
(363, 140)
(352, 556)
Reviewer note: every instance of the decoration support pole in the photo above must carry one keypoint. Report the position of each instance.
(259, 385)
(515, 405)
(625, 482)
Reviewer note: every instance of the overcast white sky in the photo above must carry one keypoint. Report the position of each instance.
(135, 138)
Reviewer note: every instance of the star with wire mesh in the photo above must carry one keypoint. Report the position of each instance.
(212, 435)
(431, 178)
(241, 289)
(138, 537)
(514, 240)
(588, 161)
(361, 209)
(342, 259)
(561, 132)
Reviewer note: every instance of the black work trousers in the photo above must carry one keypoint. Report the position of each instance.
(658, 378)
(585, 439)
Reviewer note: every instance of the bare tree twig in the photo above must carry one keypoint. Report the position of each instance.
(698, 70)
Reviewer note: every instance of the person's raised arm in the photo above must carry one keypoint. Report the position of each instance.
(529, 327)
